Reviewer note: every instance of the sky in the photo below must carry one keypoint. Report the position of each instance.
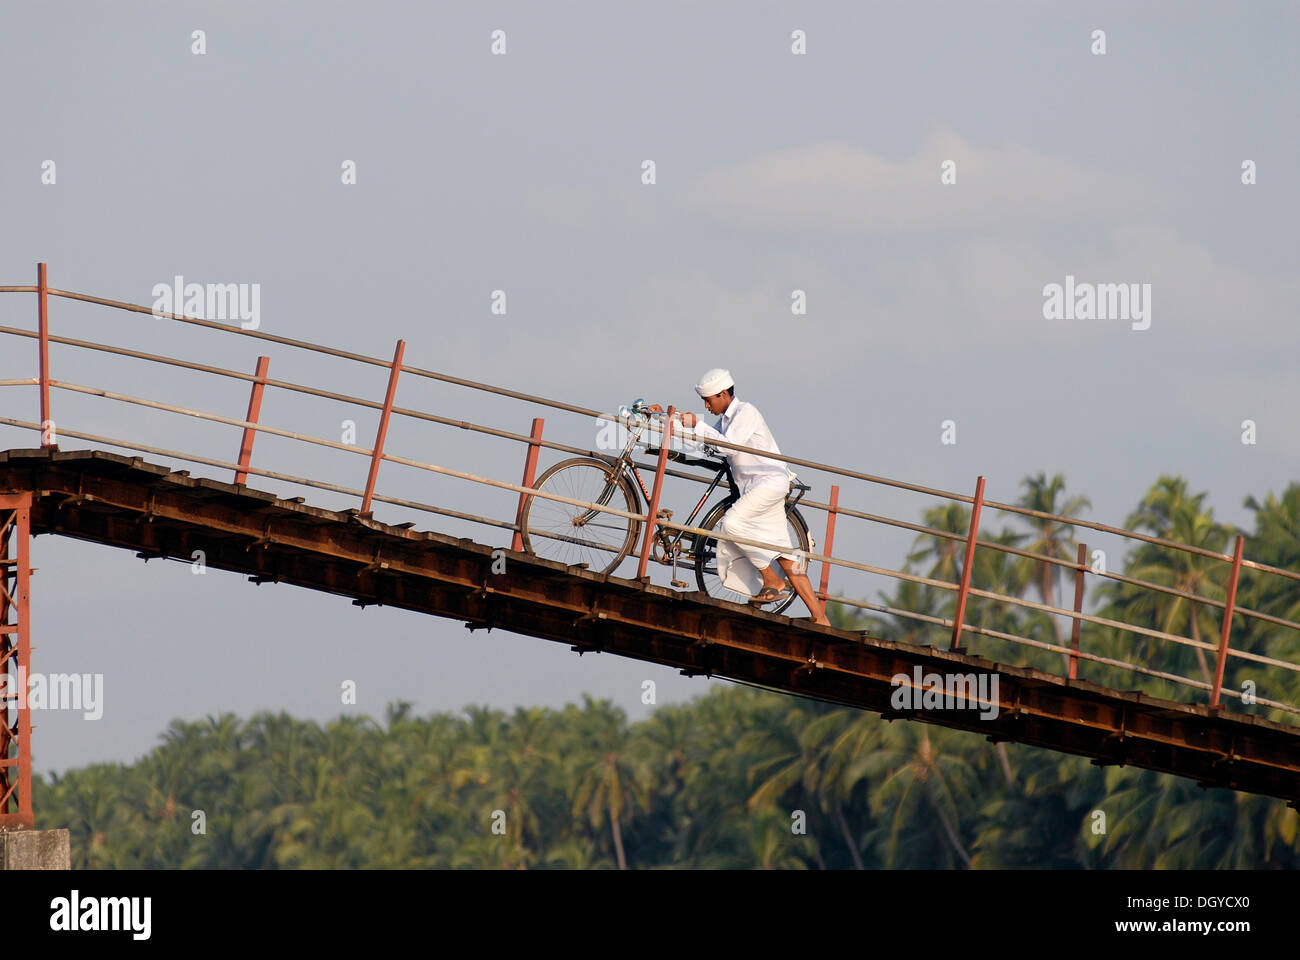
(524, 171)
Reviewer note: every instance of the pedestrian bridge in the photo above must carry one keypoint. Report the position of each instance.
(71, 483)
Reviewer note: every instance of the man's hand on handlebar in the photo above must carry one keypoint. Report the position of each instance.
(688, 419)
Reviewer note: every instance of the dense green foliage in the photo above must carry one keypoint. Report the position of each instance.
(742, 777)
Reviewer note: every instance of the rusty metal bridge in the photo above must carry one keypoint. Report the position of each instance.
(144, 504)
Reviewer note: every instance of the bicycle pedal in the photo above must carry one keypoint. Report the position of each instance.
(664, 514)
(679, 583)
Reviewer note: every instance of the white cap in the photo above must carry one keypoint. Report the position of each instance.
(715, 381)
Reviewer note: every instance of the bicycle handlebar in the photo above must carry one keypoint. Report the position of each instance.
(638, 409)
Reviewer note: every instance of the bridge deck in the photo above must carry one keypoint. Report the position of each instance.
(126, 502)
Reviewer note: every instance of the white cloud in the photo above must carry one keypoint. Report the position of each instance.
(842, 188)
(964, 281)
(982, 299)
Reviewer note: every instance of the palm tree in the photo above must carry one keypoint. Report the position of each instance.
(921, 599)
(997, 571)
(576, 853)
(817, 767)
(92, 810)
(924, 779)
(611, 787)
(1050, 538)
(1041, 820)
(1170, 512)
(774, 846)
(734, 725)
(519, 778)
(944, 554)
(991, 570)
(670, 747)
(1276, 542)
(1158, 821)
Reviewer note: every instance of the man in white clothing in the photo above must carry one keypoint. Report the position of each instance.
(762, 484)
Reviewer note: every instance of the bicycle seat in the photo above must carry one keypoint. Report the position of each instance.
(796, 494)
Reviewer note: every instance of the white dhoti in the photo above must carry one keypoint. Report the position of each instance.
(759, 514)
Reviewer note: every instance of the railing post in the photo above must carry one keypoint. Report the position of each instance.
(830, 542)
(254, 411)
(1227, 625)
(530, 472)
(43, 332)
(1078, 608)
(378, 453)
(962, 589)
(652, 517)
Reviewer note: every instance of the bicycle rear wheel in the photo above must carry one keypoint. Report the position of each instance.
(706, 562)
(567, 534)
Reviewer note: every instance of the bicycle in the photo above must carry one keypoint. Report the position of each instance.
(549, 527)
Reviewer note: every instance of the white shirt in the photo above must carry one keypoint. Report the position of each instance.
(742, 424)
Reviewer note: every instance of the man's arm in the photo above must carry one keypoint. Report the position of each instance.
(740, 431)
(705, 432)
(680, 415)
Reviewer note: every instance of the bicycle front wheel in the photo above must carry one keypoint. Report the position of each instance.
(554, 530)
(706, 559)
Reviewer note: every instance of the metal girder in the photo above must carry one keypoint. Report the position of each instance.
(102, 497)
(15, 661)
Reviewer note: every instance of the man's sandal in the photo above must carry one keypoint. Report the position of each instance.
(768, 595)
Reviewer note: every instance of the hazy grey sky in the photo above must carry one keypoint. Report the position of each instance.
(775, 172)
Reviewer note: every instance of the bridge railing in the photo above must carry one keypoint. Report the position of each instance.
(251, 427)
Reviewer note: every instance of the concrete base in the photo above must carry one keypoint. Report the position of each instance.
(35, 850)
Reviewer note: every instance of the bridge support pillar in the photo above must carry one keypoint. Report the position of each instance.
(15, 663)
(35, 850)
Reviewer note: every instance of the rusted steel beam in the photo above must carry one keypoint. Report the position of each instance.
(43, 332)
(15, 658)
(1078, 608)
(1227, 624)
(824, 587)
(652, 514)
(382, 433)
(373, 563)
(969, 561)
(254, 413)
(530, 474)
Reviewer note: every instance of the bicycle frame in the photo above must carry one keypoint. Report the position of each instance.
(669, 540)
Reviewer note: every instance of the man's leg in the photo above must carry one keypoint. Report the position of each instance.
(771, 578)
(759, 514)
(802, 586)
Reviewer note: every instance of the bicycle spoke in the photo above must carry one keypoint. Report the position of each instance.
(604, 526)
(571, 534)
